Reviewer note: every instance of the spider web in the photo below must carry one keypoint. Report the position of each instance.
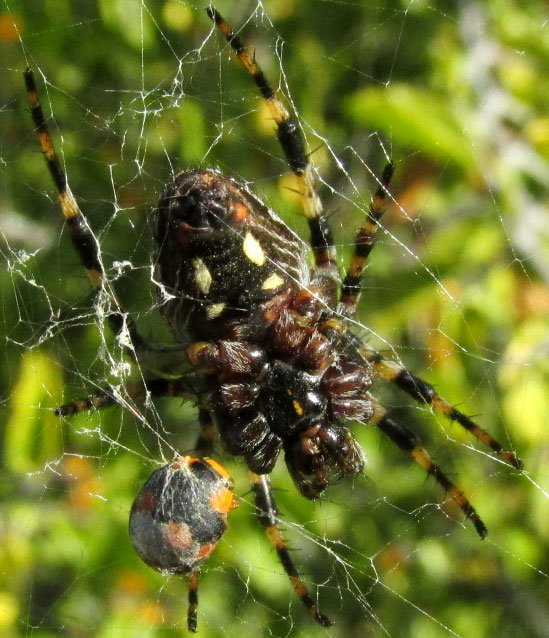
(457, 291)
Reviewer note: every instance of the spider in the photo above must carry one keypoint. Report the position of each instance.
(266, 351)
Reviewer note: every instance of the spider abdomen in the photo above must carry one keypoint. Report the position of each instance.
(221, 252)
(181, 513)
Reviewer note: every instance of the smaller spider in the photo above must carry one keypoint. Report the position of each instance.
(179, 516)
(266, 350)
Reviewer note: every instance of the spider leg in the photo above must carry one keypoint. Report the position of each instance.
(364, 242)
(206, 438)
(181, 387)
(291, 140)
(82, 237)
(267, 516)
(193, 601)
(424, 392)
(408, 441)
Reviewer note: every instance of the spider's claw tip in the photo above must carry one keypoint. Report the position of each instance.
(323, 620)
(516, 463)
(213, 13)
(388, 172)
(481, 528)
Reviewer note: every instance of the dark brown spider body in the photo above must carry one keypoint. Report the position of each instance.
(278, 378)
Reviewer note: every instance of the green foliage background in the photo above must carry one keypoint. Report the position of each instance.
(456, 94)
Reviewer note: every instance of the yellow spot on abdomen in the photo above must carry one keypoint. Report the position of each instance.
(214, 310)
(272, 282)
(202, 276)
(253, 250)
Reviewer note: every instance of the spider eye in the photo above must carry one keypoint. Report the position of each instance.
(198, 209)
(197, 199)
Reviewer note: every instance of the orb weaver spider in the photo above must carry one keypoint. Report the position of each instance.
(267, 351)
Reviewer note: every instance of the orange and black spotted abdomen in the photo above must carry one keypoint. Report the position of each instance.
(180, 514)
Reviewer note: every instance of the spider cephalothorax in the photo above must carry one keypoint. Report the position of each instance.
(265, 350)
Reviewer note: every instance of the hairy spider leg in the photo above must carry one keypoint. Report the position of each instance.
(364, 242)
(267, 516)
(291, 140)
(181, 387)
(407, 440)
(424, 392)
(157, 357)
(193, 600)
(82, 237)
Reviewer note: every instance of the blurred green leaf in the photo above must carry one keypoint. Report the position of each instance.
(414, 118)
(33, 432)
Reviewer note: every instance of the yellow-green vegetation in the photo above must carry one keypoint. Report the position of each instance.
(457, 290)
